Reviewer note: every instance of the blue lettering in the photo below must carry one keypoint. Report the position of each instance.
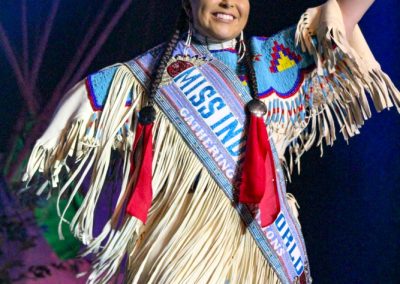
(201, 96)
(280, 222)
(230, 131)
(185, 78)
(237, 143)
(219, 102)
(209, 90)
(299, 264)
(287, 235)
(195, 87)
(292, 249)
(219, 122)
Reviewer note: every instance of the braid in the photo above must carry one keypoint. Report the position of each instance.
(251, 73)
(180, 25)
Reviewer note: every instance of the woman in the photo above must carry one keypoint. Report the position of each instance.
(203, 195)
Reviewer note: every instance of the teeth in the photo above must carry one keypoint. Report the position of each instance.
(224, 16)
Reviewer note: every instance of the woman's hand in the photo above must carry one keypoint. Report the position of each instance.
(352, 11)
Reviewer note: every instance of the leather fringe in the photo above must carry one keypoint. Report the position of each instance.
(337, 89)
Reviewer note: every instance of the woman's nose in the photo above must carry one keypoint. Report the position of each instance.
(226, 4)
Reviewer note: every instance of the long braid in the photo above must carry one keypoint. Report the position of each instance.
(180, 25)
(251, 73)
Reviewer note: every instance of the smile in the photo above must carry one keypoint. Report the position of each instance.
(224, 17)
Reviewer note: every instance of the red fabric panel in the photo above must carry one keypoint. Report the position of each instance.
(258, 183)
(142, 193)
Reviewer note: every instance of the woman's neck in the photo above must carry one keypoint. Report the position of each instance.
(214, 44)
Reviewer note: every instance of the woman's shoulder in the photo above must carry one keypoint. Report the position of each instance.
(141, 67)
(279, 48)
(285, 37)
(98, 85)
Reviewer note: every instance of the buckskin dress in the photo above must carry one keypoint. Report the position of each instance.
(310, 78)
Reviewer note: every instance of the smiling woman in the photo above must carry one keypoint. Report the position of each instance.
(209, 127)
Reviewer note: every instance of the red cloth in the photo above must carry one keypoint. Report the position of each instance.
(258, 183)
(142, 192)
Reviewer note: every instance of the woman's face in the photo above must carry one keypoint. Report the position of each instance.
(219, 19)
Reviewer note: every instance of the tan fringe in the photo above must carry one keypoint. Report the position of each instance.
(344, 74)
(90, 145)
(107, 262)
(50, 161)
(112, 119)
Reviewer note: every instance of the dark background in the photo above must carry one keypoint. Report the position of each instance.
(350, 200)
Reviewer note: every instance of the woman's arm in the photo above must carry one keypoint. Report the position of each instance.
(352, 11)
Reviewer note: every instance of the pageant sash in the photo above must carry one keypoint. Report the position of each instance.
(205, 101)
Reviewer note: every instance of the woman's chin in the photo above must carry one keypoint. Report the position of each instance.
(222, 35)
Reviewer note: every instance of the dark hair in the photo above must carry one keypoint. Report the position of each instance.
(251, 73)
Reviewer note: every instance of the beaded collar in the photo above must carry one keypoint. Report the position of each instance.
(213, 44)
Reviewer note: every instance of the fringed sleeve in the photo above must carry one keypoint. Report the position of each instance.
(336, 90)
(78, 144)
